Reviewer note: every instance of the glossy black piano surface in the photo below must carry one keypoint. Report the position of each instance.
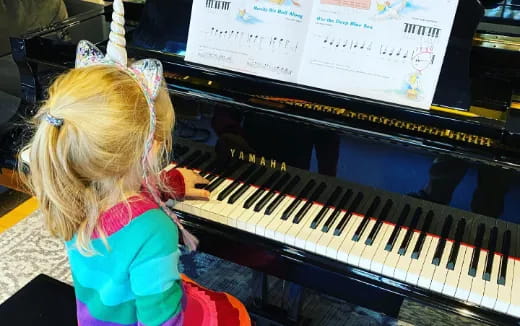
(436, 190)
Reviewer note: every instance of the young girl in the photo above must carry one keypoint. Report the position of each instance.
(95, 160)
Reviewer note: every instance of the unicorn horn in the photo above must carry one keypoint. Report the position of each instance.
(116, 48)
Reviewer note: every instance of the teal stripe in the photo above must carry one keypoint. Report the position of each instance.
(164, 273)
(110, 291)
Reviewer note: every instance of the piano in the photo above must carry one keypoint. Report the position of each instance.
(338, 193)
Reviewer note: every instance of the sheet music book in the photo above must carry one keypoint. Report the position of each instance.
(388, 50)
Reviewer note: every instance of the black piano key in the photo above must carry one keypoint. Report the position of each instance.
(409, 233)
(348, 214)
(476, 251)
(505, 250)
(296, 201)
(267, 197)
(248, 183)
(332, 218)
(305, 208)
(397, 228)
(268, 184)
(380, 220)
(370, 213)
(282, 195)
(459, 233)
(330, 203)
(439, 251)
(233, 185)
(424, 230)
(490, 254)
(220, 178)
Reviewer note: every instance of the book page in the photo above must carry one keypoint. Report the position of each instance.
(387, 50)
(259, 37)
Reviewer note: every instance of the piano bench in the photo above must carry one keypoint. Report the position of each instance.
(44, 301)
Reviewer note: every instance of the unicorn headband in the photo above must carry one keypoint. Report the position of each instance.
(148, 73)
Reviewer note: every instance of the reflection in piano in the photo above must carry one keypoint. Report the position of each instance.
(372, 196)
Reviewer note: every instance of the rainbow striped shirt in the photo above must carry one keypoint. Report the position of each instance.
(136, 280)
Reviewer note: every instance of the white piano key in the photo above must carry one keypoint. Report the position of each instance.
(305, 232)
(313, 239)
(491, 290)
(359, 246)
(465, 280)
(370, 251)
(378, 261)
(393, 257)
(514, 306)
(505, 291)
(235, 215)
(401, 269)
(439, 275)
(453, 276)
(425, 278)
(275, 218)
(416, 265)
(333, 248)
(478, 284)
(305, 222)
(213, 208)
(285, 225)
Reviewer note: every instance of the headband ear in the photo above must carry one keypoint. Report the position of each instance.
(150, 71)
(87, 54)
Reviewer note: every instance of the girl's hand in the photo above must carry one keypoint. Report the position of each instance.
(191, 180)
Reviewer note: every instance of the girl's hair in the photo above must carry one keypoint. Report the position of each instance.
(93, 160)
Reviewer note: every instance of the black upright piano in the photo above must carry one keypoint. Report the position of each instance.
(332, 191)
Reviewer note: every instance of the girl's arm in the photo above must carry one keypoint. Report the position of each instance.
(183, 184)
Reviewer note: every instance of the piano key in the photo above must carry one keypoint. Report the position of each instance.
(514, 306)
(440, 272)
(204, 158)
(465, 280)
(248, 183)
(336, 213)
(274, 220)
(454, 254)
(392, 258)
(491, 289)
(314, 197)
(357, 251)
(239, 216)
(505, 290)
(313, 236)
(373, 255)
(369, 214)
(211, 209)
(439, 251)
(335, 248)
(478, 283)
(505, 251)
(348, 214)
(372, 236)
(304, 193)
(270, 194)
(405, 259)
(479, 238)
(269, 183)
(425, 228)
(287, 189)
(236, 182)
(296, 228)
(426, 275)
(410, 232)
(189, 159)
(418, 261)
(397, 228)
(454, 274)
(490, 254)
(219, 178)
(331, 202)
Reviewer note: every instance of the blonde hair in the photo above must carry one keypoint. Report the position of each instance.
(93, 160)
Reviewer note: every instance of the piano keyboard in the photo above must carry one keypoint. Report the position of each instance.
(420, 30)
(458, 254)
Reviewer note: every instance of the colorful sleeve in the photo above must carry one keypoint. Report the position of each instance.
(154, 276)
(174, 179)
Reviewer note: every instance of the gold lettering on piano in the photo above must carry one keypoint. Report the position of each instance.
(257, 159)
(389, 122)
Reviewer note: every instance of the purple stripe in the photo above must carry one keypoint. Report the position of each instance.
(174, 321)
(86, 319)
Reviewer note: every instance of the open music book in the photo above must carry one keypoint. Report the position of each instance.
(386, 50)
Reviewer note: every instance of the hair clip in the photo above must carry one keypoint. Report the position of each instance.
(56, 122)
